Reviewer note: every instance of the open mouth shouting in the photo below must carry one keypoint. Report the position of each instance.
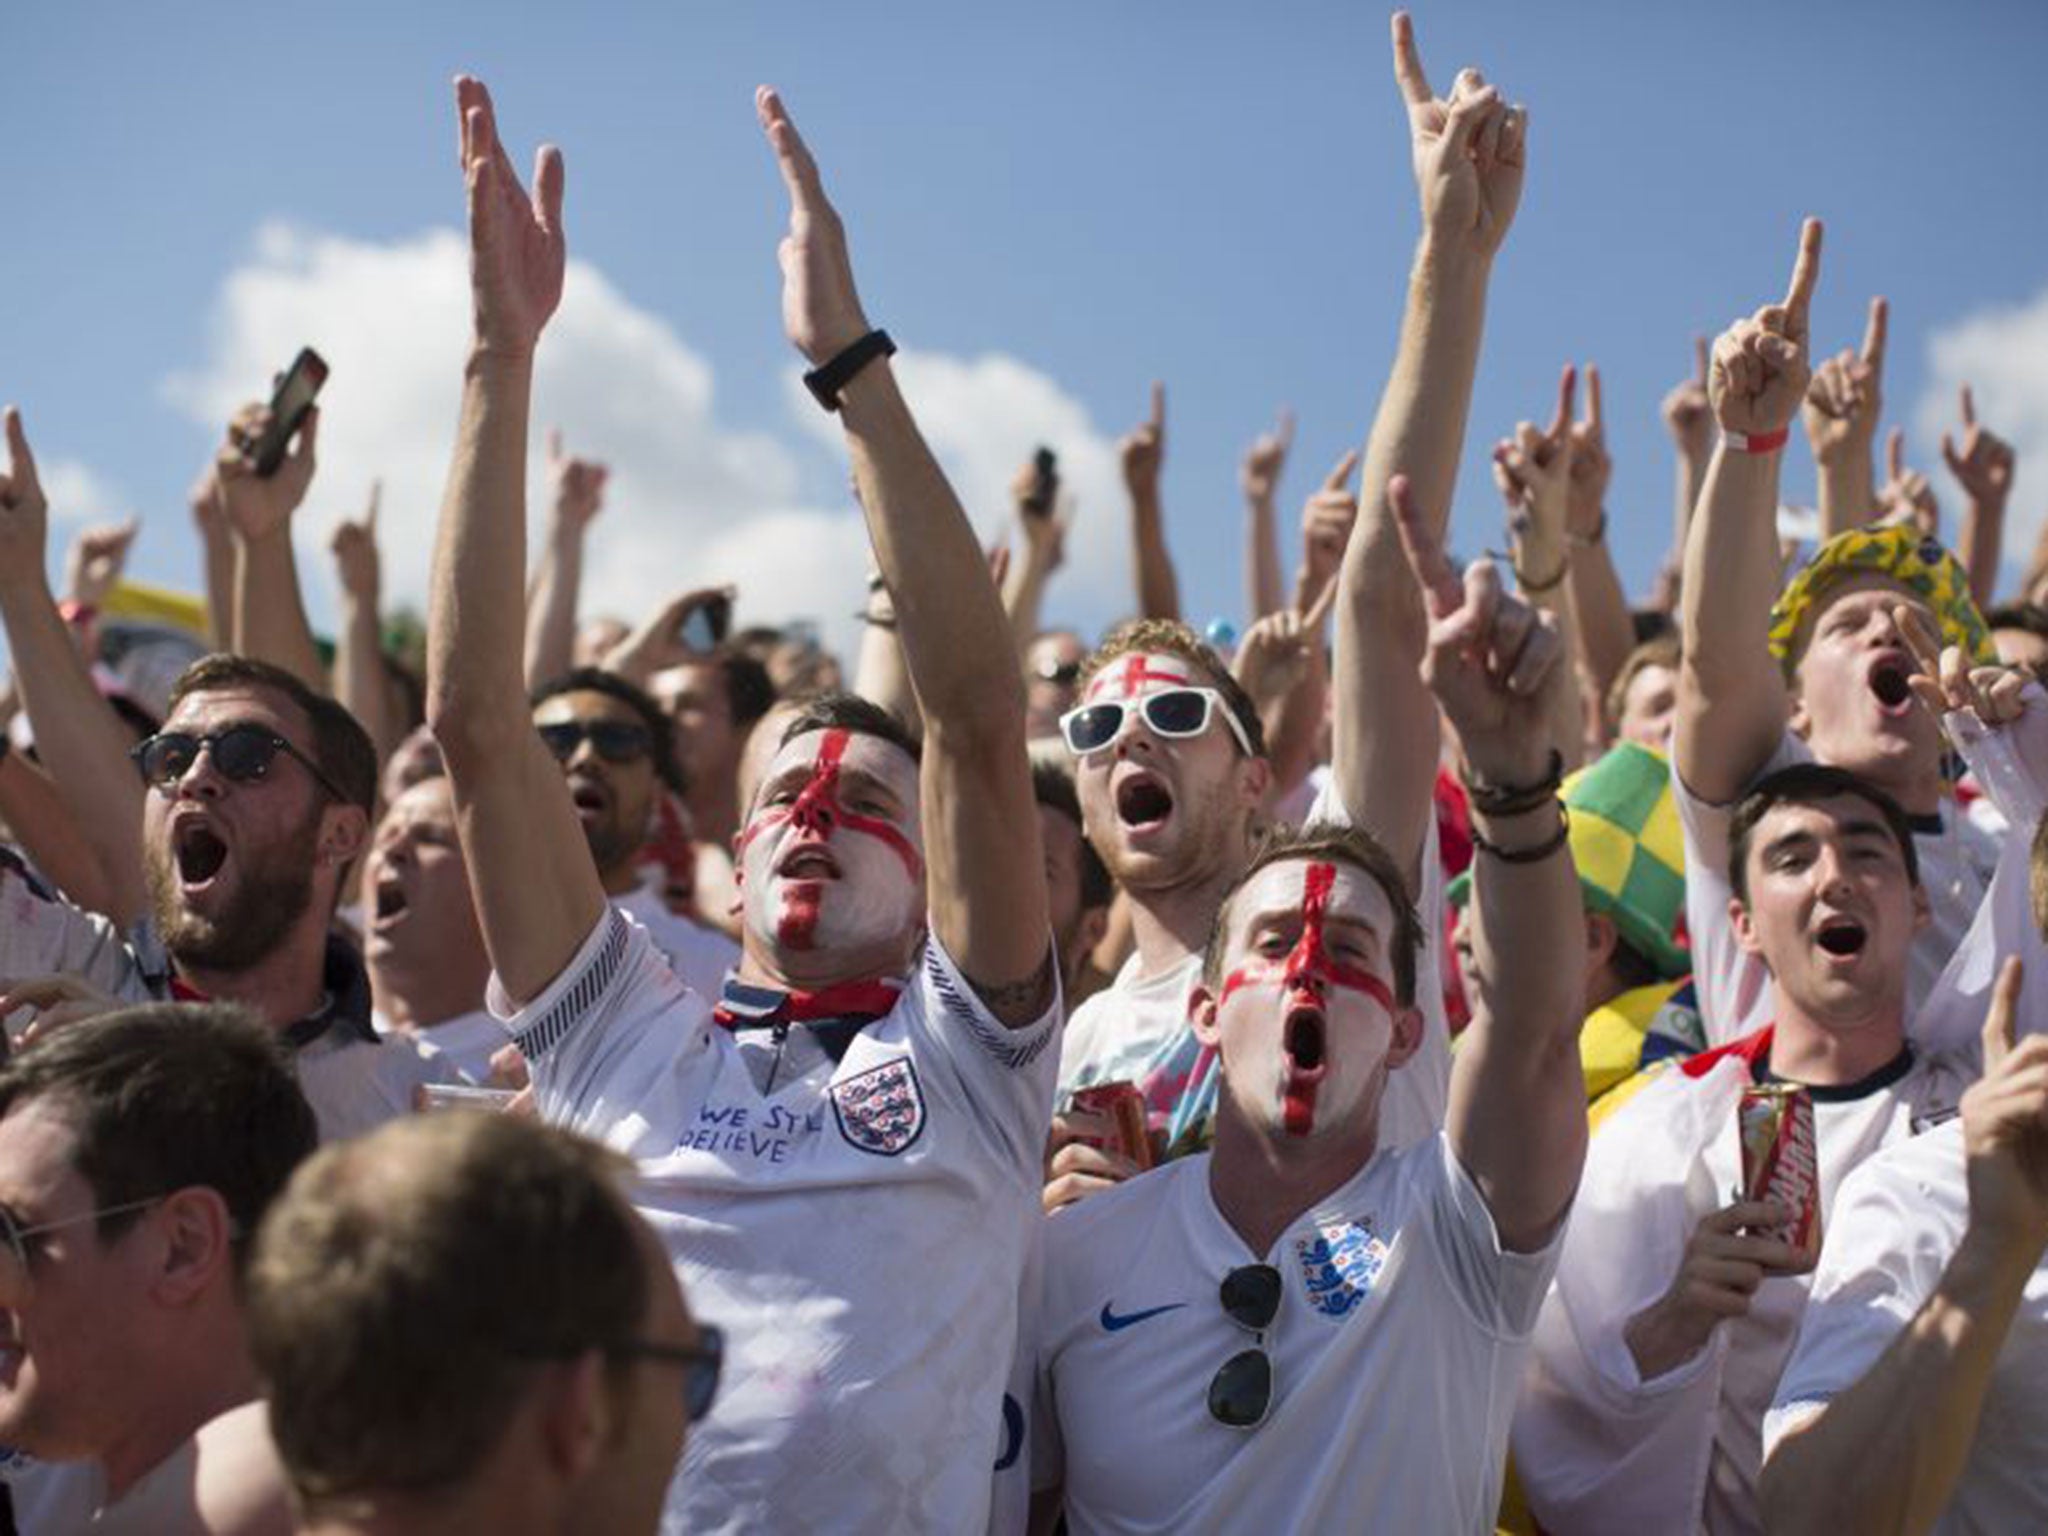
(591, 798)
(1143, 802)
(1306, 1042)
(1842, 937)
(808, 861)
(1889, 680)
(199, 851)
(390, 902)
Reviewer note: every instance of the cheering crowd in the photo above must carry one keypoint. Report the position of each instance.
(551, 1074)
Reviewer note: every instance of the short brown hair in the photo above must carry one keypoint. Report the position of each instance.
(1332, 841)
(1809, 784)
(1170, 637)
(1659, 651)
(341, 746)
(409, 1283)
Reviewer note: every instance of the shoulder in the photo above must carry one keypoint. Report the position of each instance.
(1099, 1229)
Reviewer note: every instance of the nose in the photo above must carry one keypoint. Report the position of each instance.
(1831, 870)
(201, 780)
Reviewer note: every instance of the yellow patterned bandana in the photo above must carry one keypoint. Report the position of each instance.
(1916, 562)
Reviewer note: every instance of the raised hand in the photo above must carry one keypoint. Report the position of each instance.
(2005, 1128)
(1846, 396)
(1591, 466)
(1273, 658)
(820, 309)
(1906, 492)
(1534, 471)
(1687, 411)
(1945, 680)
(578, 485)
(24, 511)
(1326, 521)
(203, 498)
(1760, 373)
(1467, 148)
(1984, 464)
(1143, 449)
(1044, 531)
(517, 254)
(355, 553)
(257, 506)
(1259, 475)
(1725, 1261)
(96, 559)
(1491, 659)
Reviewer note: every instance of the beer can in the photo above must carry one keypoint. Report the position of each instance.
(1780, 1158)
(1124, 1106)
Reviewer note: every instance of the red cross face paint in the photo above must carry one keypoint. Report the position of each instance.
(1306, 1015)
(830, 860)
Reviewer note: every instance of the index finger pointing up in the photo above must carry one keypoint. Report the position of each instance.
(1874, 332)
(1408, 63)
(1998, 1022)
(1440, 584)
(799, 170)
(1340, 477)
(1969, 408)
(1699, 359)
(1805, 274)
(21, 464)
(1567, 390)
(1595, 417)
(1158, 406)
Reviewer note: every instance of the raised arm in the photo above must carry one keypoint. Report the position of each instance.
(1606, 630)
(1468, 156)
(1689, 417)
(270, 621)
(576, 488)
(1885, 1455)
(1517, 1117)
(1143, 452)
(536, 889)
(79, 738)
(361, 683)
(1983, 466)
(1843, 405)
(1042, 529)
(985, 869)
(1259, 477)
(217, 552)
(1732, 703)
(1534, 472)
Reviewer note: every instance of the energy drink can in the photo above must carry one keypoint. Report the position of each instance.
(1124, 1106)
(1780, 1158)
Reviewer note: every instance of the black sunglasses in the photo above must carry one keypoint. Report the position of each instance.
(242, 753)
(617, 741)
(1241, 1392)
(701, 1362)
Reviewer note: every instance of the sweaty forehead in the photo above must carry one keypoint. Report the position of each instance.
(1354, 896)
(1139, 673)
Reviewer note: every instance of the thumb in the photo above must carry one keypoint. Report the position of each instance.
(1998, 1020)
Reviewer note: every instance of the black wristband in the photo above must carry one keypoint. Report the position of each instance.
(1535, 855)
(831, 376)
(1515, 799)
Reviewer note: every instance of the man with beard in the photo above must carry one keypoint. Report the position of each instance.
(857, 1130)
(1820, 677)
(225, 854)
(1374, 1302)
(618, 755)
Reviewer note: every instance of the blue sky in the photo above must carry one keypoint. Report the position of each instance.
(1072, 199)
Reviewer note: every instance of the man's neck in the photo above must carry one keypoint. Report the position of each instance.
(285, 986)
(1826, 1054)
(1170, 923)
(811, 970)
(168, 1406)
(1262, 1185)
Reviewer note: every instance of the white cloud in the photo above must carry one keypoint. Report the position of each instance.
(689, 499)
(79, 495)
(2002, 354)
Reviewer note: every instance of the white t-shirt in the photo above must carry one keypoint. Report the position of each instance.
(354, 1085)
(1599, 1448)
(859, 1236)
(1895, 1227)
(1399, 1339)
(700, 955)
(1956, 857)
(467, 1042)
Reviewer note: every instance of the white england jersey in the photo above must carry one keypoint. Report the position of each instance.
(1597, 1447)
(1399, 1339)
(700, 955)
(1895, 1227)
(858, 1235)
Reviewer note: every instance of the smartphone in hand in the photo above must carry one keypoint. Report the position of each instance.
(1039, 503)
(289, 402)
(703, 628)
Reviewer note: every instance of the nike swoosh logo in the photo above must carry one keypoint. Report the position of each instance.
(1111, 1322)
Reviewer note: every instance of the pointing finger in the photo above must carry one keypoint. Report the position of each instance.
(1286, 432)
(1969, 408)
(1875, 330)
(1998, 1020)
(1440, 584)
(1595, 417)
(1895, 452)
(1158, 406)
(1805, 275)
(1340, 477)
(1319, 610)
(1408, 63)
(1699, 358)
(1567, 389)
(21, 463)
(799, 170)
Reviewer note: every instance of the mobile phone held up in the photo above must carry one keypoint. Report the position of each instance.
(1046, 488)
(289, 402)
(704, 627)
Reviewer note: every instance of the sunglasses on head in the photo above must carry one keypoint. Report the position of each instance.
(1241, 1391)
(242, 753)
(616, 741)
(1170, 712)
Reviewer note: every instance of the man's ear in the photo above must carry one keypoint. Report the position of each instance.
(575, 1411)
(1093, 925)
(197, 1235)
(1745, 929)
(1407, 1035)
(344, 829)
(1202, 1017)
(1254, 778)
(1923, 909)
(1601, 937)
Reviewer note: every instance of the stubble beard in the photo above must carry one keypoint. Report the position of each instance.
(268, 902)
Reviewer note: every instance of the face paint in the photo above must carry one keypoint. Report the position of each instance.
(792, 910)
(1307, 976)
(1133, 676)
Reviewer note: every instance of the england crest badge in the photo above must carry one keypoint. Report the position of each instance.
(1339, 1265)
(880, 1110)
